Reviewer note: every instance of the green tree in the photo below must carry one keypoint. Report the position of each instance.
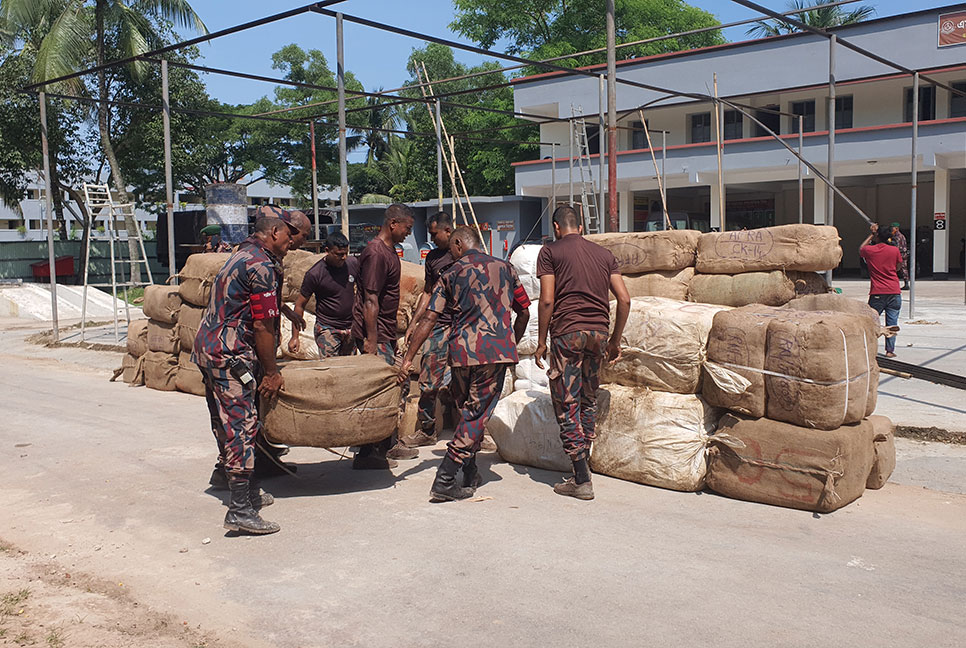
(541, 29)
(823, 18)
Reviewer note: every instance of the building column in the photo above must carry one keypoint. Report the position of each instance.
(819, 202)
(625, 208)
(940, 238)
(715, 208)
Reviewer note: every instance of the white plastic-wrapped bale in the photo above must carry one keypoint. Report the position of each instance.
(160, 370)
(528, 371)
(671, 284)
(524, 261)
(638, 252)
(524, 428)
(162, 303)
(197, 276)
(189, 320)
(884, 450)
(308, 349)
(137, 337)
(808, 248)
(336, 402)
(163, 337)
(775, 288)
(767, 461)
(188, 379)
(813, 369)
(653, 437)
(663, 346)
(411, 280)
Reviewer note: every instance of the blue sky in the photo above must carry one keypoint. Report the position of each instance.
(378, 59)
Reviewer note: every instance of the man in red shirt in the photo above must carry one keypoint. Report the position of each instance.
(883, 261)
(575, 279)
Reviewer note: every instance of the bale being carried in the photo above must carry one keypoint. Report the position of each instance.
(162, 303)
(808, 248)
(295, 265)
(775, 288)
(197, 276)
(524, 261)
(336, 402)
(411, 281)
(671, 284)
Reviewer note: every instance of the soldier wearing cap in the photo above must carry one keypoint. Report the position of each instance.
(211, 235)
(480, 291)
(235, 345)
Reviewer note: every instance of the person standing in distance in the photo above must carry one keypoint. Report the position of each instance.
(374, 319)
(235, 344)
(575, 277)
(433, 364)
(480, 291)
(332, 281)
(885, 294)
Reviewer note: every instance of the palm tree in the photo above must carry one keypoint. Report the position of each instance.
(378, 117)
(823, 18)
(75, 32)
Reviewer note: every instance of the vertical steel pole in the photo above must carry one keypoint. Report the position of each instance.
(801, 180)
(570, 160)
(437, 123)
(601, 129)
(168, 173)
(719, 145)
(315, 185)
(913, 237)
(613, 215)
(50, 217)
(664, 176)
(553, 176)
(343, 170)
(830, 205)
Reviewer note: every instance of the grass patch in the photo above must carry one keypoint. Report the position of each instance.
(55, 638)
(10, 602)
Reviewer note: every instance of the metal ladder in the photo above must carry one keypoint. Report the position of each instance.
(98, 199)
(589, 208)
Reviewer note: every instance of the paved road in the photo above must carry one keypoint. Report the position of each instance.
(109, 480)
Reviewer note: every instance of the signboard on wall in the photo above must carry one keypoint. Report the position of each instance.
(952, 29)
(505, 226)
(939, 221)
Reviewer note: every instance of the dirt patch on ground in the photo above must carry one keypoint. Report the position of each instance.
(41, 604)
(931, 434)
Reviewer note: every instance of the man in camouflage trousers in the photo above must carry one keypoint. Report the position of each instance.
(575, 276)
(480, 291)
(433, 366)
(236, 342)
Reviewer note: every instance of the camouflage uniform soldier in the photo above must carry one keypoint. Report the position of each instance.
(236, 341)
(374, 320)
(332, 281)
(433, 365)
(480, 291)
(575, 276)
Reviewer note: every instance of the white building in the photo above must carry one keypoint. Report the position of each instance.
(790, 73)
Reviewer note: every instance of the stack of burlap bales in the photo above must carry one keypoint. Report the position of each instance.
(162, 305)
(132, 365)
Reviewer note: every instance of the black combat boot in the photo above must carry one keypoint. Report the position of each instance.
(241, 516)
(578, 486)
(445, 488)
(258, 497)
(219, 478)
(471, 474)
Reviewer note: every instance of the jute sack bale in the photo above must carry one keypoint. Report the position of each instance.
(132, 369)
(162, 303)
(295, 265)
(188, 379)
(308, 349)
(672, 284)
(137, 337)
(160, 370)
(409, 416)
(653, 437)
(163, 337)
(775, 288)
(766, 461)
(198, 274)
(189, 321)
(524, 261)
(833, 302)
(336, 402)
(524, 428)
(814, 369)
(638, 252)
(663, 345)
(884, 450)
(411, 281)
(809, 248)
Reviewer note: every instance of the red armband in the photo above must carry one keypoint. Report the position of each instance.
(520, 298)
(265, 305)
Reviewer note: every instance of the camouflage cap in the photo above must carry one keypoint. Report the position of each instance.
(274, 211)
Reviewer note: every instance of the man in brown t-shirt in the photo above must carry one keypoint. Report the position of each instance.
(575, 277)
(374, 317)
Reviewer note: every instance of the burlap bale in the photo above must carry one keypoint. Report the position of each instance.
(775, 288)
(638, 252)
(295, 265)
(766, 461)
(308, 349)
(653, 437)
(663, 345)
(160, 370)
(163, 337)
(137, 337)
(524, 428)
(335, 402)
(809, 248)
(814, 369)
(189, 321)
(161, 303)
(198, 274)
(833, 302)
(411, 282)
(671, 284)
(409, 414)
(132, 369)
(884, 451)
(524, 261)
(188, 379)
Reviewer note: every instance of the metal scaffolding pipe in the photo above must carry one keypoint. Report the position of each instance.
(315, 185)
(343, 170)
(51, 257)
(830, 206)
(168, 173)
(801, 180)
(913, 236)
(601, 129)
(437, 122)
(612, 211)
